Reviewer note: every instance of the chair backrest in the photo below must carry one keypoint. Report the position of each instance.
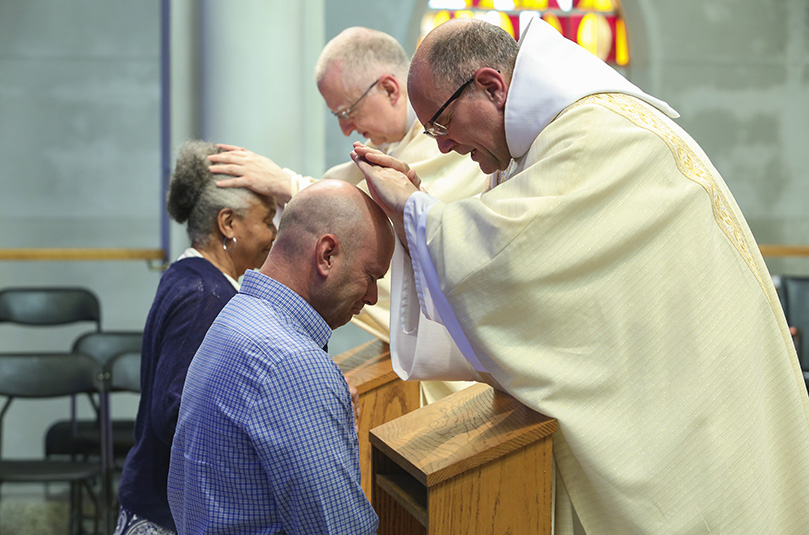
(795, 298)
(49, 306)
(104, 345)
(52, 375)
(48, 375)
(123, 371)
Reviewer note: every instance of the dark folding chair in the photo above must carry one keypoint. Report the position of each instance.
(51, 376)
(794, 293)
(49, 306)
(122, 374)
(33, 309)
(81, 437)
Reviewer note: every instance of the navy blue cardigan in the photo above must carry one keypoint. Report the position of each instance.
(190, 295)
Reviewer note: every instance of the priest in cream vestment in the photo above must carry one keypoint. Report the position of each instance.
(356, 59)
(609, 280)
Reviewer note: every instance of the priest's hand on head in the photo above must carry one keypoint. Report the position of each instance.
(390, 182)
(252, 171)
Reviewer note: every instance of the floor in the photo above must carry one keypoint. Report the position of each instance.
(37, 510)
(32, 511)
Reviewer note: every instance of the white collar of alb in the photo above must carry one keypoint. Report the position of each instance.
(550, 74)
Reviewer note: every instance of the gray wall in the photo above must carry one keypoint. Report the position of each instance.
(79, 125)
(79, 119)
(738, 73)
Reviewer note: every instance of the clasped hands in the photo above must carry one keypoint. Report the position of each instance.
(390, 181)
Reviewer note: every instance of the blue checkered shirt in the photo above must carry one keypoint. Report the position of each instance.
(265, 440)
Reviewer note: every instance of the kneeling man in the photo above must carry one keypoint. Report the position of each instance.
(265, 441)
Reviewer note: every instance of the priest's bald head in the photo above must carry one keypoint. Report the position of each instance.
(458, 84)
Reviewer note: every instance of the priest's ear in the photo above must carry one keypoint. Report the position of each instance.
(390, 85)
(493, 83)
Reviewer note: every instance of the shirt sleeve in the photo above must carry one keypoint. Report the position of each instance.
(302, 428)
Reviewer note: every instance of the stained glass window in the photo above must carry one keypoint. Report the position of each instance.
(597, 25)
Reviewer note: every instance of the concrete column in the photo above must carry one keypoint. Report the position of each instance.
(257, 86)
(242, 73)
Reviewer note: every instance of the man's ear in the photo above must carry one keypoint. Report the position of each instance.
(224, 221)
(390, 84)
(327, 248)
(493, 84)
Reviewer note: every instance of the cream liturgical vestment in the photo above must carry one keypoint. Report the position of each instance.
(612, 283)
(449, 177)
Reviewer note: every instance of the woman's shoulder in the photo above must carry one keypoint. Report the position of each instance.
(197, 276)
(196, 265)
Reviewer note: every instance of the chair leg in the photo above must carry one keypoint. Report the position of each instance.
(110, 510)
(77, 516)
(97, 511)
(74, 528)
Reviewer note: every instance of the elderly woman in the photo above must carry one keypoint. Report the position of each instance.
(231, 231)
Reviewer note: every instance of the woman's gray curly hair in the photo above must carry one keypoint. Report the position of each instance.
(195, 198)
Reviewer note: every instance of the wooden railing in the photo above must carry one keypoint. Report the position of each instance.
(155, 258)
(158, 255)
(784, 250)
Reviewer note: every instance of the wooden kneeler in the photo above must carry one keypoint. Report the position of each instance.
(475, 462)
(382, 395)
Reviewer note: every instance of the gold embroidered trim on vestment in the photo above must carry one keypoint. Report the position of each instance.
(689, 164)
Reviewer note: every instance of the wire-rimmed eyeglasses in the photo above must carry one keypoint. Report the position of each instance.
(434, 129)
(346, 113)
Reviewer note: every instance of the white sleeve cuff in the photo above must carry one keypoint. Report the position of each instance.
(433, 302)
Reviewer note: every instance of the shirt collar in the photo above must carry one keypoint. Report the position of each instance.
(260, 286)
(550, 74)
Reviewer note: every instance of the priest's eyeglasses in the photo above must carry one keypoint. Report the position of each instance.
(346, 113)
(434, 129)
